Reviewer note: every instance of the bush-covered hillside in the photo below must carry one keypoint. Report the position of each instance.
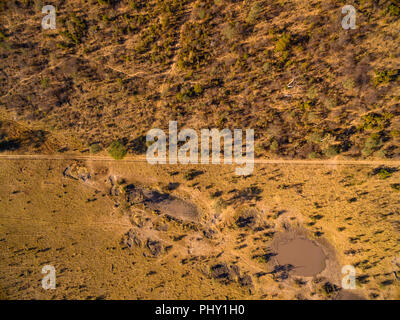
(112, 70)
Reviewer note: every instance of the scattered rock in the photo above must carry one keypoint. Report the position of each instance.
(246, 281)
(210, 233)
(131, 238)
(77, 172)
(222, 272)
(236, 270)
(155, 247)
(162, 227)
(133, 195)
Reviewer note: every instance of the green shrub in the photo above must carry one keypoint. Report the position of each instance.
(104, 2)
(384, 173)
(283, 43)
(306, 106)
(262, 258)
(134, 4)
(312, 93)
(375, 121)
(44, 82)
(117, 150)
(195, 40)
(395, 186)
(329, 289)
(331, 151)
(282, 46)
(201, 13)
(372, 144)
(254, 13)
(186, 95)
(274, 146)
(316, 137)
(395, 133)
(393, 10)
(198, 89)
(94, 148)
(384, 77)
(230, 32)
(312, 155)
(75, 30)
(2, 36)
(348, 84)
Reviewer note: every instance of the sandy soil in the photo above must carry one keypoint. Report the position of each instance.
(107, 241)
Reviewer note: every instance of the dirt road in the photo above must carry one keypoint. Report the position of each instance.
(128, 159)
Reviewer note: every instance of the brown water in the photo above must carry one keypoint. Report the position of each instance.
(307, 258)
(346, 295)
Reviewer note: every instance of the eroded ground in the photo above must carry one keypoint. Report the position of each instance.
(132, 230)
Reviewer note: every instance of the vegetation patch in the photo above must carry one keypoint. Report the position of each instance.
(117, 150)
(74, 30)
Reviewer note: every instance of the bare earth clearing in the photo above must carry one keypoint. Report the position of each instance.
(131, 230)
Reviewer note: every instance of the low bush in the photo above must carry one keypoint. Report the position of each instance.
(117, 150)
(94, 148)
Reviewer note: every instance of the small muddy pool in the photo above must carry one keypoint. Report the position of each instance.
(306, 257)
(172, 206)
(346, 295)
